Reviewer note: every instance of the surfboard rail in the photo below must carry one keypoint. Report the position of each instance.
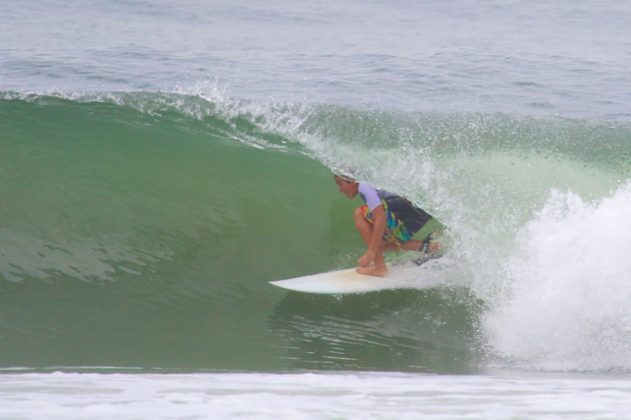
(431, 274)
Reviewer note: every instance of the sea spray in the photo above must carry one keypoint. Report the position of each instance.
(565, 300)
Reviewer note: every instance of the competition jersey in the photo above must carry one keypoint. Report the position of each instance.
(412, 217)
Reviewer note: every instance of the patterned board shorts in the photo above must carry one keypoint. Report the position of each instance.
(396, 232)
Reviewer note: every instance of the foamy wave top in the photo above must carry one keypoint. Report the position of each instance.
(568, 288)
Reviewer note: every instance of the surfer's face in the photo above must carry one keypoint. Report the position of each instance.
(348, 188)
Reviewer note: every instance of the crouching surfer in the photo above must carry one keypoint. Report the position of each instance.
(388, 222)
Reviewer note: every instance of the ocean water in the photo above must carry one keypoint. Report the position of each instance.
(160, 162)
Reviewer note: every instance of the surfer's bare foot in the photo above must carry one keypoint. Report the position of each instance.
(434, 246)
(373, 270)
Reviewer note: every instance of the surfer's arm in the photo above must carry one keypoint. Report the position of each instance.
(379, 228)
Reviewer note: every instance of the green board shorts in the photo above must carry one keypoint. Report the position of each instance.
(397, 231)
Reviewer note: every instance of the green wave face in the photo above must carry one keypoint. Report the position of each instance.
(140, 230)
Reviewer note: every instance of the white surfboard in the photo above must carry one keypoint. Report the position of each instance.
(434, 273)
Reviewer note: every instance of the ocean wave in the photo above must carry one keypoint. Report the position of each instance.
(210, 197)
(564, 303)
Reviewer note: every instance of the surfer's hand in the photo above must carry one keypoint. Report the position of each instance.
(367, 258)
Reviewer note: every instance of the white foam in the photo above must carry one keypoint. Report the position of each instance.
(567, 287)
(307, 395)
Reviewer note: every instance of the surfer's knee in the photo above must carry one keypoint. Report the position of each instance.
(359, 217)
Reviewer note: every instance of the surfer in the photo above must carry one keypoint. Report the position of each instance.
(386, 222)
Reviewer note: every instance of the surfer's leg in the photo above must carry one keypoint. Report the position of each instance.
(364, 226)
(411, 245)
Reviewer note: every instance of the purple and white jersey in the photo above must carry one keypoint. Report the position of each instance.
(412, 217)
(369, 195)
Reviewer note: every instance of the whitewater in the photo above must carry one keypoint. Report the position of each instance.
(161, 163)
